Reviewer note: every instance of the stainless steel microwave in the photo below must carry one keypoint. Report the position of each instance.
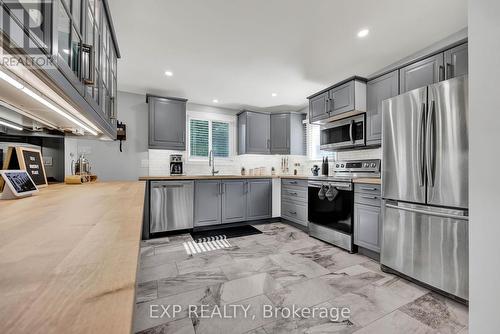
(344, 133)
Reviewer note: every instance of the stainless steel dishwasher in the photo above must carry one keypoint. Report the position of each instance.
(171, 205)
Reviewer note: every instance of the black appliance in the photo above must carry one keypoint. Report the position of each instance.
(176, 164)
(331, 202)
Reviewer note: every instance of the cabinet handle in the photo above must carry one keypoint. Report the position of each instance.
(293, 194)
(293, 182)
(441, 73)
(449, 69)
(370, 189)
(327, 101)
(292, 212)
(88, 64)
(369, 197)
(332, 102)
(268, 143)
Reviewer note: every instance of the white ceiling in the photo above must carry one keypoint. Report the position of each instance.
(242, 51)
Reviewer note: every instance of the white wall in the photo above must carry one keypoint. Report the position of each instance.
(484, 226)
(107, 162)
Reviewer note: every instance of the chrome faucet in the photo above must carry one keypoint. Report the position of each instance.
(211, 162)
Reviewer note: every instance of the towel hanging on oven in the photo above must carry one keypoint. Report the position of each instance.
(322, 192)
(331, 193)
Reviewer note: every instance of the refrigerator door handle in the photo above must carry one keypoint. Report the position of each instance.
(429, 213)
(420, 149)
(430, 143)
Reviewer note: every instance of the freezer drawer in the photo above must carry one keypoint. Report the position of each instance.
(171, 206)
(427, 243)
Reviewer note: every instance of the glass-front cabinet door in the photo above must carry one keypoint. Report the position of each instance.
(92, 45)
(28, 23)
(69, 31)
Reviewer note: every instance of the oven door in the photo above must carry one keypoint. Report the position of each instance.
(334, 213)
(346, 133)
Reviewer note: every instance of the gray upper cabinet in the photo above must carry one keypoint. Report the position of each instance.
(319, 107)
(287, 134)
(342, 98)
(280, 133)
(234, 204)
(338, 101)
(77, 39)
(457, 61)
(167, 123)
(377, 90)
(207, 202)
(259, 200)
(422, 73)
(254, 133)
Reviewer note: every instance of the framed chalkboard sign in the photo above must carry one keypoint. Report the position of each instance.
(31, 160)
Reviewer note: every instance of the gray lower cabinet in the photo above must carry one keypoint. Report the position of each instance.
(229, 201)
(294, 201)
(259, 199)
(234, 203)
(422, 73)
(367, 216)
(319, 107)
(254, 133)
(167, 123)
(377, 90)
(457, 61)
(207, 202)
(288, 134)
(367, 221)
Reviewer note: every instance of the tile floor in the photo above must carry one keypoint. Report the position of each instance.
(281, 267)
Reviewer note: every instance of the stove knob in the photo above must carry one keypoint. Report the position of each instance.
(337, 165)
(367, 165)
(342, 165)
(373, 165)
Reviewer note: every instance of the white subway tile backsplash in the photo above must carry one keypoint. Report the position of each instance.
(159, 162)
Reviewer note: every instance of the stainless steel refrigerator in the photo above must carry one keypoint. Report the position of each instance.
(425, 185)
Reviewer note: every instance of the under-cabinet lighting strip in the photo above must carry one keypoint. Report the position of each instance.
(46, 103)
(12, 126)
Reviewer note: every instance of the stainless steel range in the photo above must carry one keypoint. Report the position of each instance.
(331, 201)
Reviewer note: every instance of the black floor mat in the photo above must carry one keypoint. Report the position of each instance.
(229, 232)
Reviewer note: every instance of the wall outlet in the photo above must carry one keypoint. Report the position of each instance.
(144, 163)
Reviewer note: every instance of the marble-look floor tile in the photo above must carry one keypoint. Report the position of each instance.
(286, 259)
(255, 250)
(157, 272)
(316, 252)
(351, 278)
(238, 324)
(443, 314)
(203, 261)
(247, 287)
(190, 281)
(309, 268)
(259, 330)
(248, 267)
(396, 323)
(171, 256)
(143, 311)
(293, 245)
(340, 260)
(146, 291)
(147, 250)
(304, 294)
(182, 326)
(372, 301)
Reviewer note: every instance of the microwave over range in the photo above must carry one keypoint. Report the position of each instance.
(342, 134)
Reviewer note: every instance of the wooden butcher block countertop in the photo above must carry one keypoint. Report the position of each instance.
(69, 257)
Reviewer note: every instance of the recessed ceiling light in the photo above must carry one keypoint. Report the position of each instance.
(215, 101)
(274, 94)
(363, 33)
(168, 73)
